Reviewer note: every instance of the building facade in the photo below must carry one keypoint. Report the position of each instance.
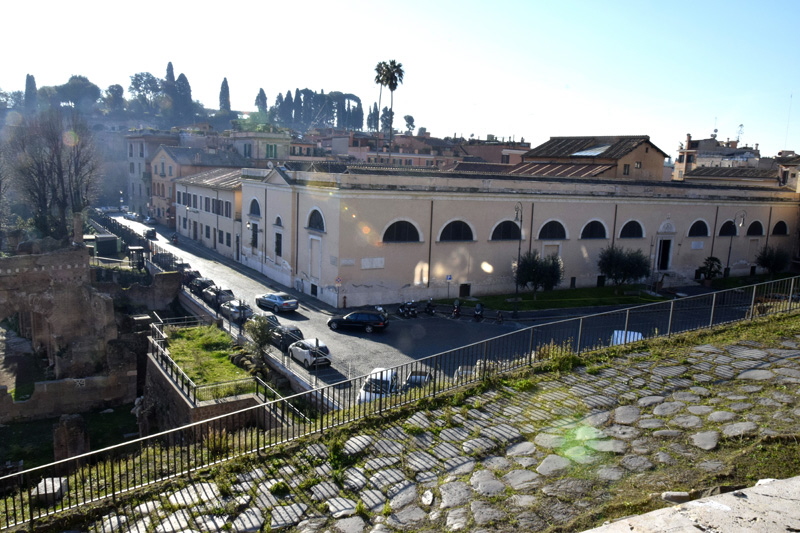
(336, 232)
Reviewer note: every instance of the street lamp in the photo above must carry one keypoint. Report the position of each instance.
(740, 216)
(518, 220)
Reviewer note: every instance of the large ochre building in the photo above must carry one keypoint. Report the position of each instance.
(359, 235)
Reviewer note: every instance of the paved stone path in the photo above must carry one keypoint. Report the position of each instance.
(506, 460)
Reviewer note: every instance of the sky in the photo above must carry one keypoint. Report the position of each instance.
(525, 69)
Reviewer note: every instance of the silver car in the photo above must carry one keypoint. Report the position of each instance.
(277, 302)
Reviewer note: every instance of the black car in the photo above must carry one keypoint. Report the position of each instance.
(366, 320)
(150, 234)
(283, 336)
(198, 285)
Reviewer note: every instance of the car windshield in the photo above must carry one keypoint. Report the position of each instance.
(313, 347)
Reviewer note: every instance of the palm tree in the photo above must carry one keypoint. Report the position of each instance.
(380, 78)
(394, 76)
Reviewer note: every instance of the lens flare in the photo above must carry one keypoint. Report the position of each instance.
(487, 267)
(70, 138)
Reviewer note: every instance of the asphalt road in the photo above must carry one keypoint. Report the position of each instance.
(353, 353)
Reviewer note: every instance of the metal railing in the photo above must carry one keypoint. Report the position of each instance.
(119, 469)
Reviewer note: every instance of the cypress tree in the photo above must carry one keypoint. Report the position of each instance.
(31, 101)
(224, 97)
(261, 102)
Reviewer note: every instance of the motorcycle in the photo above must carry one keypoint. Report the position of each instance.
(174, 238)
(456, 309)
(477, 315)
(430, 308)
(407, 310)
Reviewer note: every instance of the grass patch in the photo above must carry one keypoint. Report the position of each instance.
(203, 354)
(566, 298)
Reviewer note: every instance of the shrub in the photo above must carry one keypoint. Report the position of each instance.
(623, 266)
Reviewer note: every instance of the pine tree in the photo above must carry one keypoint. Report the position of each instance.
(168, 92)
(224, 97)
(31, 102)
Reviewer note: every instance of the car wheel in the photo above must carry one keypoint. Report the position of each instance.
(274, 309)
(368, 328)
(333, 325)
(306, 364)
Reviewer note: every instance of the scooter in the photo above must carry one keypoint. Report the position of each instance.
(430, 308)
(456, 309)
(477, 315)
(407, 310)
(174, 238)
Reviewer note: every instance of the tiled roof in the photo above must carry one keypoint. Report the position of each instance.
(469, 166)
(613, 147)
(184, 155)
(562, 170)
(732, 172)
(216, 178)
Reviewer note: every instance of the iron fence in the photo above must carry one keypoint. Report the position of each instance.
(113, 471)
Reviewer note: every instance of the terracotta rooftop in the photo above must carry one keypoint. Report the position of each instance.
(600, 147)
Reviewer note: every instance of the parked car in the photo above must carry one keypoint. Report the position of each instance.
(277, 302)
(272, 319)
(216, 296)
(134, 216)
(283, 336)
(150, 221)
(236, 311)
(380, 382)
(198, 285)
(311, 353)
(367, 320)
(150, 234)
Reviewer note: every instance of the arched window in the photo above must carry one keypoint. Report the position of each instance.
(456, 231)
(401, 231)
(780, 228)
(552, 231)
(593, 230)
(255, 209)
(507, 231)
(315, 221)
(728, 229)
(699, 229)
(755, 229)
(631, 230)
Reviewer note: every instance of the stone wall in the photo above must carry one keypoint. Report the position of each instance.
(155, 297)
(72, 395)
(61, 313)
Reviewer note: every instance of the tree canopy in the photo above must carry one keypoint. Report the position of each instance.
(623, 266)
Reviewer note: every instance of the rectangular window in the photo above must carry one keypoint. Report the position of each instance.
(133, 169)
(278, 244)
(254, 236)
(208, 204)
(194, 201)
(170, 170)
(690, 158)
(184, 222)
(637, 164)
(162, 168)
(130, 150)
(228, 240)
(141, 149)
(248, 150)
(228, 209)
(208, 232)
(219, 234)
(626, 170)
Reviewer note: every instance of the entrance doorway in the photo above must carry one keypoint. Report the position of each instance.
(664, 249)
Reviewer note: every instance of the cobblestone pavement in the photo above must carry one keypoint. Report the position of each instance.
(508, 460)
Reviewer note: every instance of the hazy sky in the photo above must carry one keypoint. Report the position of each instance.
(522, 69)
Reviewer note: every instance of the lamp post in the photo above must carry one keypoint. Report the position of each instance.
(740, 216)
(518, 220)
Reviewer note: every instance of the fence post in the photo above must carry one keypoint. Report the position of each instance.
(627, 317)
(113, 484)
(671, 311)
(531, 356)
(713, 307)
(580, 332)
(791, 293)
(753, 303)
